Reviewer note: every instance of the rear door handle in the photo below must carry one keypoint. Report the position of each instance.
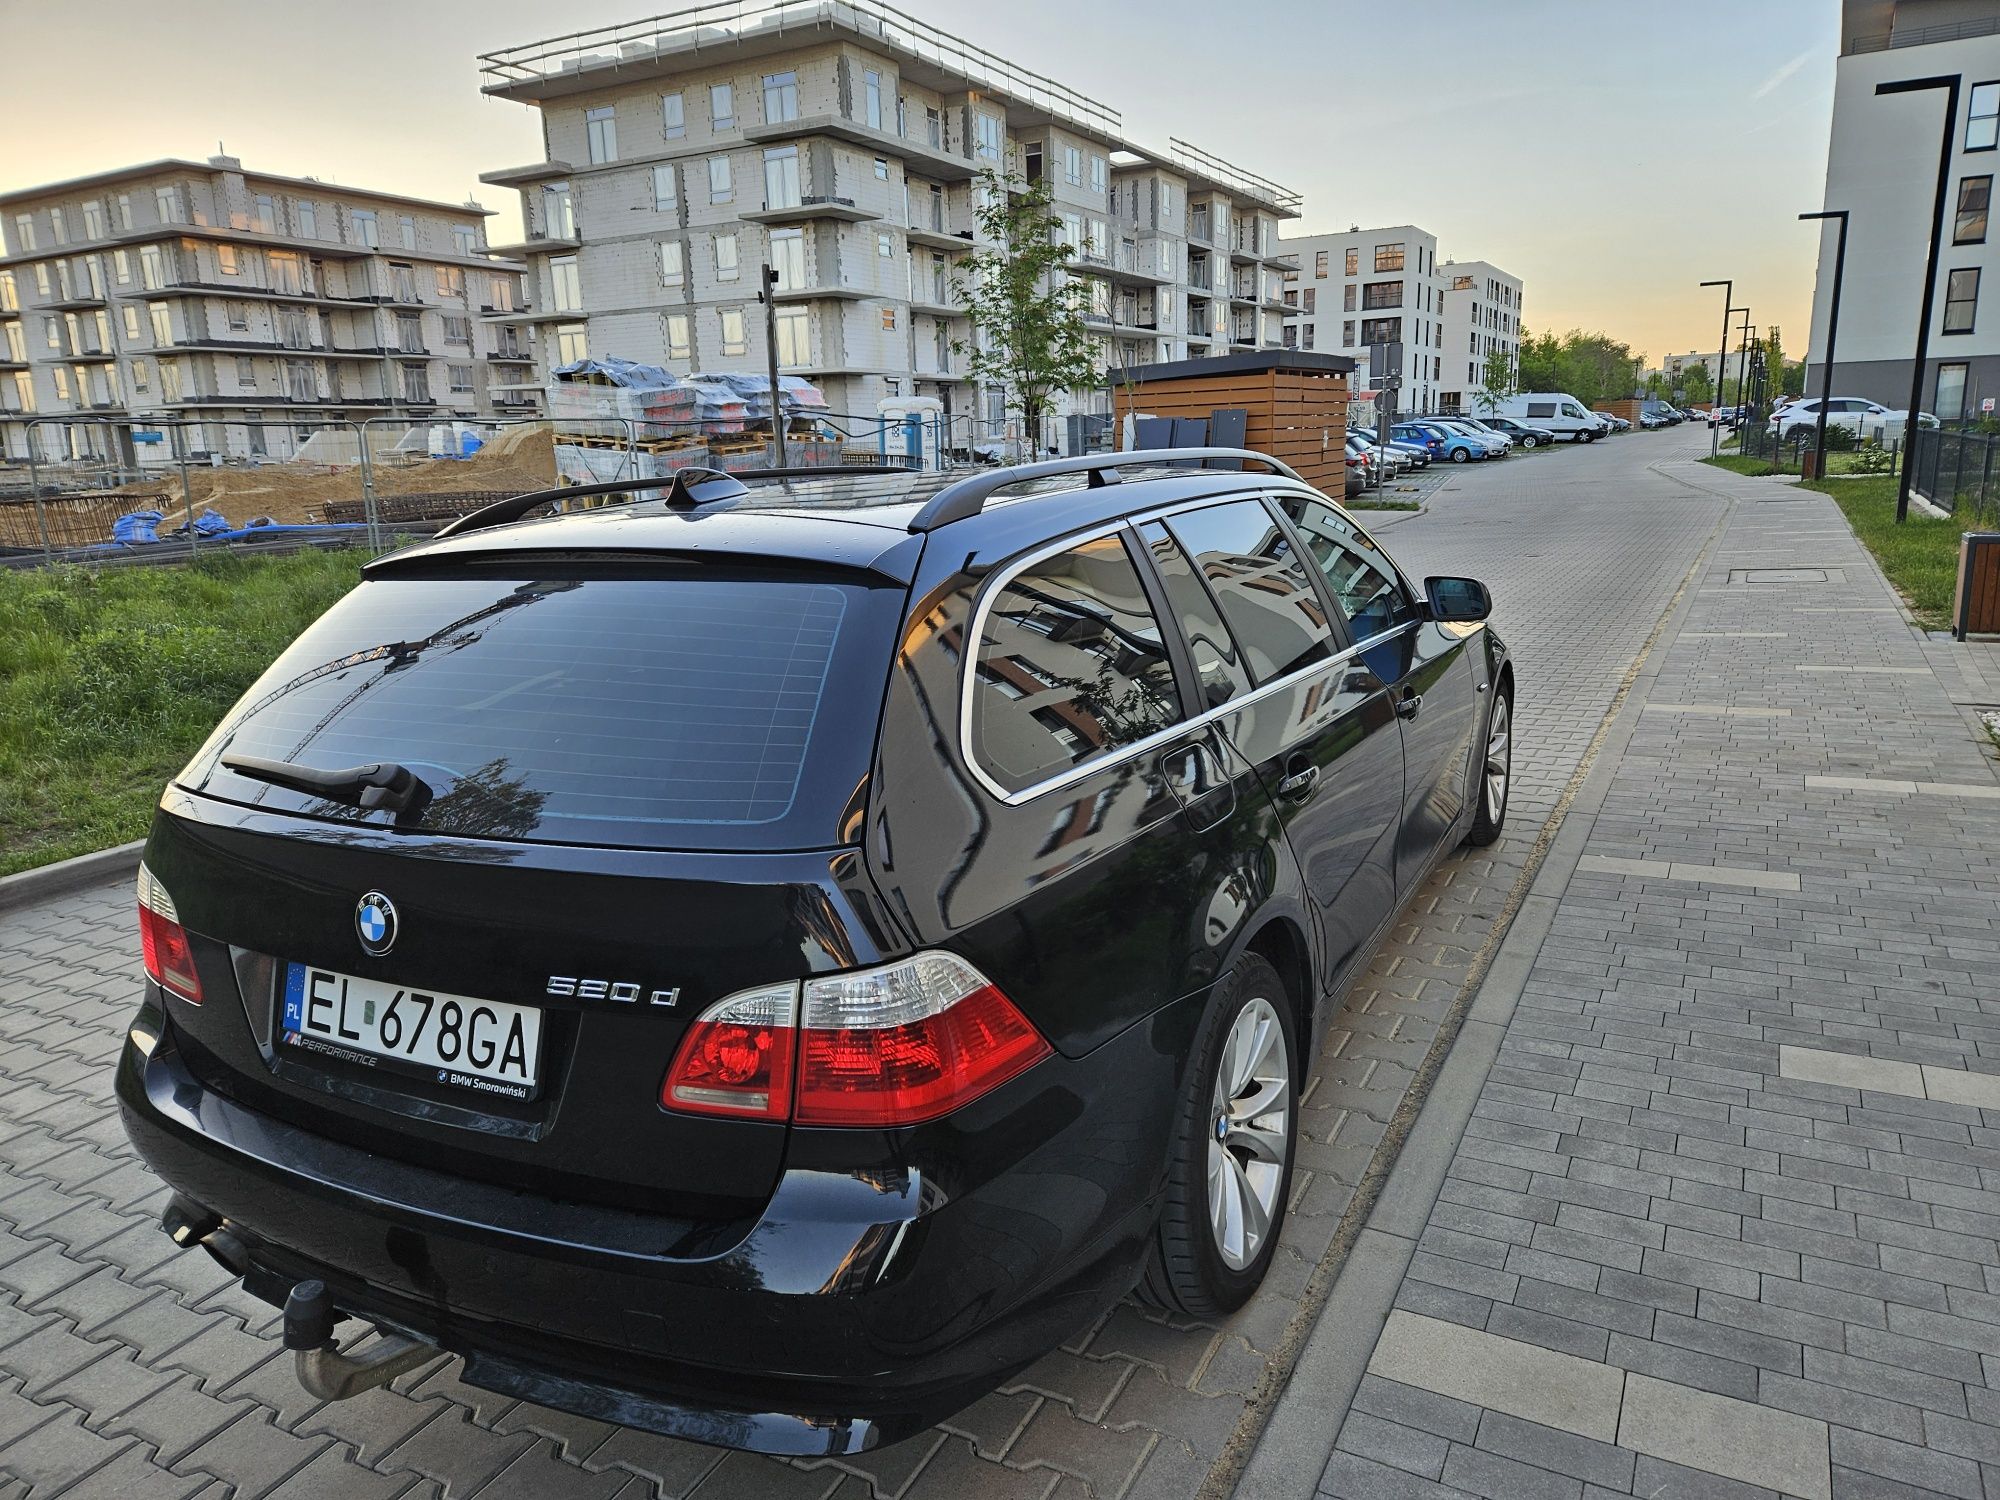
(1408, 705)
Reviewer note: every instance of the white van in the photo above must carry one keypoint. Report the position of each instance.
(1554, 411)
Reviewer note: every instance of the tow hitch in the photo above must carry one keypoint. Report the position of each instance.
(322, 1368)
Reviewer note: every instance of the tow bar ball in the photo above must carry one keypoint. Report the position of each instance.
(308, 1316)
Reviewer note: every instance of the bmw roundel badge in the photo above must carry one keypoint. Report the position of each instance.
(375, 923)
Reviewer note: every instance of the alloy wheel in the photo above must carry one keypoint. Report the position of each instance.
(1499, 760)
(1250, 1133)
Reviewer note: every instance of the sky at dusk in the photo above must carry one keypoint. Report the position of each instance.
(1612, 154)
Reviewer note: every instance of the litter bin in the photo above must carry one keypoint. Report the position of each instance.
(1809, 463)
(1976, 608)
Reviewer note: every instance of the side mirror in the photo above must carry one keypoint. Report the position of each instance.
(1457, 599)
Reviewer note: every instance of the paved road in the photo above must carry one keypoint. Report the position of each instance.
(127, 1368)
(1724, 1219)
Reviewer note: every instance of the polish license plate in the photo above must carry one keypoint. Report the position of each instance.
(485, 1046)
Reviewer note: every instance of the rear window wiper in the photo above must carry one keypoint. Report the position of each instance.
(379, 784)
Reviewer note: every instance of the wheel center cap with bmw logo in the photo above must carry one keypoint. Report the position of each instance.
(375, 923)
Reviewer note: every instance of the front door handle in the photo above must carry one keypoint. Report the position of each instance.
(1408, 705)
(1299, 784)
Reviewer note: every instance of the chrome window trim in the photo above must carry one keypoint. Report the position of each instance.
(996, 582)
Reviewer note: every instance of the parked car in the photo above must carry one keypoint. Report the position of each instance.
(1357, 473)
(1725, 416)
(1483, 429)
(1523, 435)
(1417, 455)
(788, 1100)
(1557, 411)
(1612, 422)
(1458, 447)
(1799, 416)
(1888, 426)
(1417, 434)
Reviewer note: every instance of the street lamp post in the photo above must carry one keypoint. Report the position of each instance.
(1721, 359)
(1949, 83)
(1839, 216)
(1742, 367)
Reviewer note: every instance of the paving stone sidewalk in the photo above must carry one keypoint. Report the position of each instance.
(1725, 1218)
(127, 1368)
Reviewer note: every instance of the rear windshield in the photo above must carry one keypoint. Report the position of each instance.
(690, 712)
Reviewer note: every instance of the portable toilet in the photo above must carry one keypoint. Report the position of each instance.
(910, 430)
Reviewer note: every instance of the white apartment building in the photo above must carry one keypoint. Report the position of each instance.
(1881, 167)
(1369, 288)
(175, 290)
(841, 142)
(1482, 315)
(1674, 366)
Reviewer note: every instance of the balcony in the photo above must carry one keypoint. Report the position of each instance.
(81, 303)
(919, 157)
(539, 171)
(818, 207)
(540, 243)
(821, 294)
(510, 357)
(940, 239)
(932, 305)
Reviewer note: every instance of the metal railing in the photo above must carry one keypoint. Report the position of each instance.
(1918, 36)
(1958, 472)
(723, 23)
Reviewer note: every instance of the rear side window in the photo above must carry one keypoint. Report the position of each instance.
(1218, 664)
(1256, 575)
(716, 711)
(1541, 408)
(1072, 665)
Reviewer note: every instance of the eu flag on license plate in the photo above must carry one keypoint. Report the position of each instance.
(295, 997)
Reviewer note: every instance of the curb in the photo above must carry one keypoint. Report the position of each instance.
(1296, 1442)
(66, 875)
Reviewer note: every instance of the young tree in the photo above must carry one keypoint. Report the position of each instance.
(1696, 385)
(1496, 381)
(1026, 310)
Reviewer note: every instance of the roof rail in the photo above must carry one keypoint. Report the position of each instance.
(686, 488)
(968, 496)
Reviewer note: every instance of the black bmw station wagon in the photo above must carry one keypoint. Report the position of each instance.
(765, 962)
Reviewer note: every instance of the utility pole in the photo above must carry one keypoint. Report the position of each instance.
(769, 281)
(1839, 216)
(1721, 359)
(1742, 365)
(1949, 83)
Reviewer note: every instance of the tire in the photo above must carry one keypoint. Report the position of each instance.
(1527, 443)
(1492, 814)
(1195, 1266)
(1459, 455)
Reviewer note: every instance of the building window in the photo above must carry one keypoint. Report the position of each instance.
(721, 186)
(141, 377)
(1073, 166)
(734, 339)
(10, 296)
(565, 284)
(677, 336)
(666, 188)
(721, 106)
(464, 239)
(788, 258)
(238, 314)
(882, 169)
(1949, 403)
(410, 332)
(885, 244)
(673, 271)
(1307, 341)
(673, 117)
(460, 377)
(871, 99)
(58, 227)
(305, 219)
(1310, 301)
(1974, 194)
(416, 384)
(1389, 257)
(170, 380)
(1100, 174)
(781, 177)
(407, 227)
(24, 232)
(572, 343)
(987, 133)
(61, 378)
(794, 337)
(1982, 118)
(888, 320)
(1382, 294)
(458, 330)
(1353, 260)
(600, 128)
(121, 266)
(558, 220)
(366, 231)
(246, 372)
(781, 98)
(93, 220)
(122, 210)
(1961, 298)
(500, 292)
(134, 326)
(264, 219)
(163, 323)
(727, 264)
(226, 261)
(1320, 263)
(1348, 297)
(1381, 330)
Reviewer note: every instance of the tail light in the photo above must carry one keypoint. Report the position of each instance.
(164, 942)
(736, 1058)
(896, 1045)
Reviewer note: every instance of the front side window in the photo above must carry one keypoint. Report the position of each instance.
(1974, 195)
(1072, 665)
(1366, 583)
(600, 128)
(1267, 597)
(1961, 300)
(1982, 117)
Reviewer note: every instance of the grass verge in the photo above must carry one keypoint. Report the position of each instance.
(109, 682)
(1736, 463)
(1920, 556)
(1383, 504)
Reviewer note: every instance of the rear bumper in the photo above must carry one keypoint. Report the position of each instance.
(862, 1306)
